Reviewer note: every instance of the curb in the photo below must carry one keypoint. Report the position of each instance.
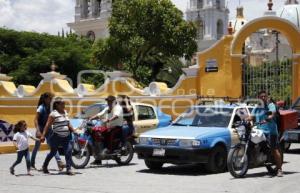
(6, 149)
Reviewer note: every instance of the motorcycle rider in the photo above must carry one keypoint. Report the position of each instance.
(265, 114)
(113, 119)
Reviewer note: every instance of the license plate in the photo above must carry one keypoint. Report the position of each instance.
(159, 152)
(293, 136)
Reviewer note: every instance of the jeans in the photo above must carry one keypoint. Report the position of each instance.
(24, 153)
(54, 142)
(37, 147)
(127, 131)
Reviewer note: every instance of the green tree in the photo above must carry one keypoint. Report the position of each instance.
(145, 35)
(25, 55)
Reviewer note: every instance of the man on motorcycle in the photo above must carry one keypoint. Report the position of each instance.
(113, 119)
(265, 114)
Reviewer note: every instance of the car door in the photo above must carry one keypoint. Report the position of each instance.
(145, 118)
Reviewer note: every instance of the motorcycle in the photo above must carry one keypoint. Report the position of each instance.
(252, 151)
(91, 143)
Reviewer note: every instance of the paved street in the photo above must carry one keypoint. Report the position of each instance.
(135, 178)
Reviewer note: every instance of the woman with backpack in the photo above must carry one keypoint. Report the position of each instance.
(41, 117)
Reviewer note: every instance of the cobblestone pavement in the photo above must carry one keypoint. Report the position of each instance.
(136, 178)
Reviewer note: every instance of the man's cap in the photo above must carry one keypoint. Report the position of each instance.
(110, 98)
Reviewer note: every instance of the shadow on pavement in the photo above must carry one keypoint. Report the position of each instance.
(185, 170)
(107, 165)
(265, 174)
(293, 151)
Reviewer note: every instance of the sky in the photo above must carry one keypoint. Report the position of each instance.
(50, 16)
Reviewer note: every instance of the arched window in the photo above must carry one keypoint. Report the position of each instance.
(218, 4)
(200, 30)
(199, 4)
(220, 29)
(89, 8)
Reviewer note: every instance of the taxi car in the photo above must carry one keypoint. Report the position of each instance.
(146, 117)
(201, 135)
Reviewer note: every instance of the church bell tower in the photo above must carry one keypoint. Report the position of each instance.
(211, 19)
(91, 18)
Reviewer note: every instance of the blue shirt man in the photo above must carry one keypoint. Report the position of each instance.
(261, 115)
(265, 114)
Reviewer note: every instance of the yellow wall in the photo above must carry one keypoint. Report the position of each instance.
(228, 53)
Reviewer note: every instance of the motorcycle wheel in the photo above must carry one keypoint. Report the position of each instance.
(126, 155)
(237, 168)
(79, 161)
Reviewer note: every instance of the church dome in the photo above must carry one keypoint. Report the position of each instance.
(291, 12)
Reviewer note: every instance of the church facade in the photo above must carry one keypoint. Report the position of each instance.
(210, 16)
(211, 19)
(91, 18)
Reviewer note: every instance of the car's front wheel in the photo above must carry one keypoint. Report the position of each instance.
(217, 160)
(154, 165)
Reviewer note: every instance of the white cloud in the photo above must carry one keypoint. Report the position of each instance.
(52, 15)
(36, 15)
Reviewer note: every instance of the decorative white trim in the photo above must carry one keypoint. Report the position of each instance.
(191, 72)
(118, 74)
(52, 75)
(4, 77)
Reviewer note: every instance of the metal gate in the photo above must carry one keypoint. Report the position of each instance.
(273, 77)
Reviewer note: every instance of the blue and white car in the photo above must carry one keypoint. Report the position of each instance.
(201, 135)
(146, 117)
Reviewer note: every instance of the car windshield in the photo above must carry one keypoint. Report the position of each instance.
(91, 111)
(205, 117)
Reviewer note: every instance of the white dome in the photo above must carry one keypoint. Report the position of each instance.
(291, 12)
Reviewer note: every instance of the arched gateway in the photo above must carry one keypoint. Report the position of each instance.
(220, 71)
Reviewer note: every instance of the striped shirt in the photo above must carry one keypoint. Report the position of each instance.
(61, 123)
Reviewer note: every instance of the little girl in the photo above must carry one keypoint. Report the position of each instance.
(20, 141)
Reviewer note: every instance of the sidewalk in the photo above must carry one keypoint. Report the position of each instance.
(8, 147)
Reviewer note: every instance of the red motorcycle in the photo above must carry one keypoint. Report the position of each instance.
(95, 139)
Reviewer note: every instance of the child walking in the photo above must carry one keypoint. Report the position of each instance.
(20, 141)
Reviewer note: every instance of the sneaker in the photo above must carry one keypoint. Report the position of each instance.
(97, 162)
(70, 172)
(45, 170)
(29, 174)
(279, 173)
(12, 171)
(61, 165)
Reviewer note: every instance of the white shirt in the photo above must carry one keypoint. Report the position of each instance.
(116, 111)
(21, 138)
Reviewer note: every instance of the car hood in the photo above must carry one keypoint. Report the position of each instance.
(186, 132)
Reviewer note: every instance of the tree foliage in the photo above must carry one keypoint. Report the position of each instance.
(24, 55)
(145, 36)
